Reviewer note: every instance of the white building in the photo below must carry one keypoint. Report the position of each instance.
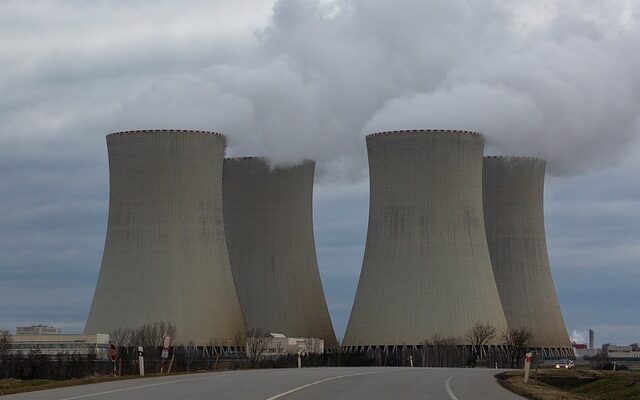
(53, 344)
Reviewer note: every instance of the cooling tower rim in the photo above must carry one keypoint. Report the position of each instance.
(151, 131)
(240, 158)
(436, 131)
(515, 158)
(264, 159)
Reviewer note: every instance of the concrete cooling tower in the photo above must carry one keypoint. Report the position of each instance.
(513, 190)
(426, 269)
(165, 255)
(269, 225)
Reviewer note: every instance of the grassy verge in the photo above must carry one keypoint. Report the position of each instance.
(574, 385)
(12, 386)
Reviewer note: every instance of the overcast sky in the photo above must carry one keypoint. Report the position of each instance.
(295, 79)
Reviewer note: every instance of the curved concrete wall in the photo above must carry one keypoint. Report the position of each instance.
(513, 191)
(165, 255)
(269, 225)
(426, 268)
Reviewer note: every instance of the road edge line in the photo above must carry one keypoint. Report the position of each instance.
(447, 386)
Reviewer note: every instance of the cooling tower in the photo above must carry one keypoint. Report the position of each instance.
(165, 255)
(269, 226)
(426, 268)
(513, 190)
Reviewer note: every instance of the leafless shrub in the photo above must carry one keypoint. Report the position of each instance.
(257, 342)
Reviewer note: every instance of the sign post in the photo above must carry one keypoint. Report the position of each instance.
(527, 366)
(141, 360)
(113, 355)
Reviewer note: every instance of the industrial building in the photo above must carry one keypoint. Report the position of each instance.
(165, 255)
(37, 330)
(426, 270)
(622, 353)
(269, 229)
(513, 191)
(280, 345)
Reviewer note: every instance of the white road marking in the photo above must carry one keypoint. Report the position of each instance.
(84, 396)
(447, 386)
(288, 392)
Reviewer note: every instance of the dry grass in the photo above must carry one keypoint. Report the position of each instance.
(12, 386)
(574, 385)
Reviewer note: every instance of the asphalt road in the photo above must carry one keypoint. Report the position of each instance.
(290, 384)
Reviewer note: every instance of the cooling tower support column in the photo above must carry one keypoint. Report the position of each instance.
(513, 190)
(165, 255)
(269, 224)
(426, 269)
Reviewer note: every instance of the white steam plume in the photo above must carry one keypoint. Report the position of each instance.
(558, 80)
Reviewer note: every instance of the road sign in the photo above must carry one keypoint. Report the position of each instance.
(166, 342)
(113, 352)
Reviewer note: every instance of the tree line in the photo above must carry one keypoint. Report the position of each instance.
(437, 351)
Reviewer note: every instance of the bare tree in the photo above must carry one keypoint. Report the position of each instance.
(479, 335)
(518, 342)
(121, 337)
(257, 342)
(440, 351)
(5, 346)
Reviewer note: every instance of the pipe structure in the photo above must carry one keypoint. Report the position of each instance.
(269, 225)
(426, 270)
(165, 256)
(513, 191)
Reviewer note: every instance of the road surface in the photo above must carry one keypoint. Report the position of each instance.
(296, 384)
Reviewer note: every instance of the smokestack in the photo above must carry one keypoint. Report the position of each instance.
(592, 344)
(513, 190)
(269, 224)
(165, 255)
(426, 269)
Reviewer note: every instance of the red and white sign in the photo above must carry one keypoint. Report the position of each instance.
(113, 352)
(166, 342)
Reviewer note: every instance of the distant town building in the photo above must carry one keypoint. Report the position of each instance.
(280, 345)
(37, 330)
(52, 344)
(3, 332)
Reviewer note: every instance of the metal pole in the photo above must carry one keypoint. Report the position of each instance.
(527, 366)
(141, 360)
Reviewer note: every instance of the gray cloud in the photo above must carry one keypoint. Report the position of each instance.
(306, 79)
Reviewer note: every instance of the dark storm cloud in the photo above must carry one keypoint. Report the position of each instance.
(306, 79)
